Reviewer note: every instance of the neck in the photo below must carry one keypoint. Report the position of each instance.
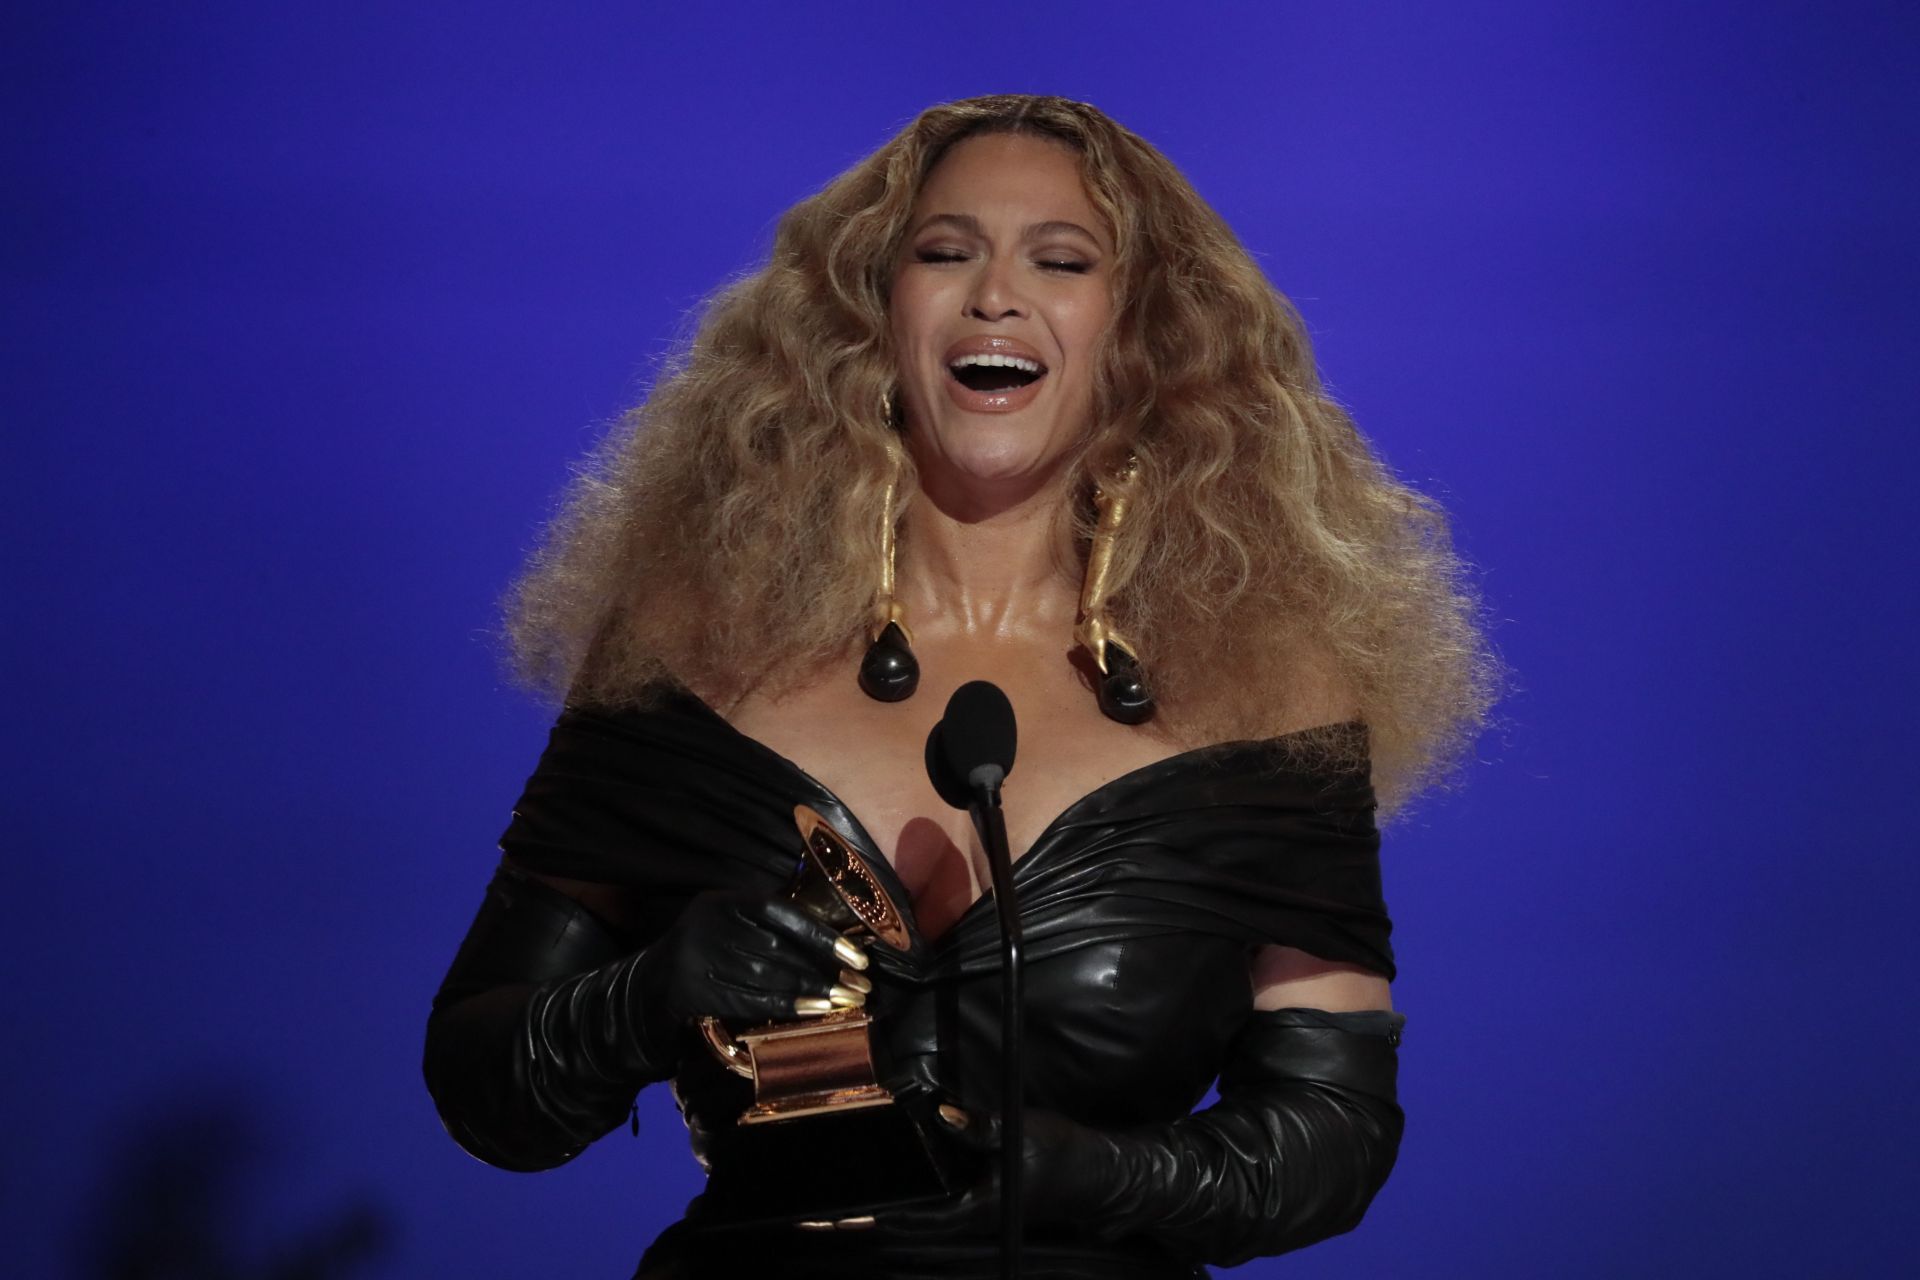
(986, 566)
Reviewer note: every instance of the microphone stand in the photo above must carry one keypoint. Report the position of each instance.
(991, 823)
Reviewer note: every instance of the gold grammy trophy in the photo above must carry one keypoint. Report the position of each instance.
(824, 1139)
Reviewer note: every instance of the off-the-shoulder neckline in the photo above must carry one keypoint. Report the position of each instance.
(1048, 837)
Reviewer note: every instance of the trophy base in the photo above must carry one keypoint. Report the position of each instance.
(838, 1163)
(826, 1102)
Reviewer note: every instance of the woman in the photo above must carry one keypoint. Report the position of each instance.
(1009, 401)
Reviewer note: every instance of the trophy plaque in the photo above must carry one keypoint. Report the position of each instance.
(824, 1139)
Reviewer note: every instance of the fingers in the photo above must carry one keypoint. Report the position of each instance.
(836, 1000)
(848, 954)
(973, 1130)
(838, 997)
(749, 959)
(778, 995)
(975, 1210)
(772, 992)
(817, 936)
(820, 942)
(803, 986)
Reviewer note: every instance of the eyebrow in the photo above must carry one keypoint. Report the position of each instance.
(971, 225)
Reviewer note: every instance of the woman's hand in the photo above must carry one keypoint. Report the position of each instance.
(746, 960)
(1057, 1158)
(548, 1023)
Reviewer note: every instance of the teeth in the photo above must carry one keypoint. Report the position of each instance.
(999, 362)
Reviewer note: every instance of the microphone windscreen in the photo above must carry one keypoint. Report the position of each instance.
(977, 729)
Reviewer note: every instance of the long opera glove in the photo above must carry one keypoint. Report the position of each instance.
(545, 1030)
(1305, 1133)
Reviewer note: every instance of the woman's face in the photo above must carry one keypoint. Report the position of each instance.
(1000, 297)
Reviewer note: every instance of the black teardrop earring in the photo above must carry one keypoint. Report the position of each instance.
(1122, 694)
(889, 672)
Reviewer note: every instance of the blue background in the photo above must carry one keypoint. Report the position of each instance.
(309, 308)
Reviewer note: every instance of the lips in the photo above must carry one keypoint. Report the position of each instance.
(993, 374)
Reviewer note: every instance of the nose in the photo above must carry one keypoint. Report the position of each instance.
(995, 296)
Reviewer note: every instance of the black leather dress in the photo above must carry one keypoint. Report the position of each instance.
(1140, 904)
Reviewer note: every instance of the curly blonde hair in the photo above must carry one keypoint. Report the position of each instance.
(725, 537)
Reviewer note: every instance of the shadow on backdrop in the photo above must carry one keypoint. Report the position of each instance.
(175, 1197)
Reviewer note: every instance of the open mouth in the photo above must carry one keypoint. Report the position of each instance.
(995, 372)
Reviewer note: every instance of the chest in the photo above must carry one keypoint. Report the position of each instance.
(872, 756)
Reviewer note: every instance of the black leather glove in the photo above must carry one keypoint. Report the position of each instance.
(1304, 1134)
(544, 1031)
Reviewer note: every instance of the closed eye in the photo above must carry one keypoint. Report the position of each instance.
(1066, 264)
(939, 255)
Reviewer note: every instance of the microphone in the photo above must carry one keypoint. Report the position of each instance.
(969, 754)
(977, 732)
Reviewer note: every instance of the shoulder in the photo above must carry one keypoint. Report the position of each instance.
(1290, 978)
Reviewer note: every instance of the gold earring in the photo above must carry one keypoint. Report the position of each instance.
(1123, 695)
(889, 672)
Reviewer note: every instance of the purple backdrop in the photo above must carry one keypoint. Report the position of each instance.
(307, 315)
